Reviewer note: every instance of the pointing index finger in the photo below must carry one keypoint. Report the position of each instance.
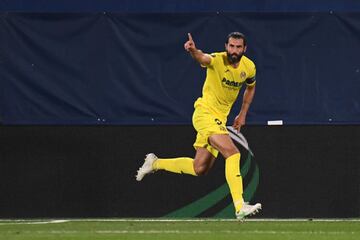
(190, 37)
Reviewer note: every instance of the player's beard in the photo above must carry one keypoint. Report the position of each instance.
(233, 58)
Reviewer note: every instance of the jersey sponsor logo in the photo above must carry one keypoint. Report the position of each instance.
(231, 84)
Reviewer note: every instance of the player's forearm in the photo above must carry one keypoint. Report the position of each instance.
(247, 100)
(200, 57)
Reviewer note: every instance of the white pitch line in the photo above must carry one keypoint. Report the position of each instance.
(27, 222)
(216, 220)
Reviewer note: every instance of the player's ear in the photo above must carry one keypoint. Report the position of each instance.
(245, 48)
(225, 46)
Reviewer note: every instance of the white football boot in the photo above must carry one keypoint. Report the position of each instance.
(248, 210)
(147, 167)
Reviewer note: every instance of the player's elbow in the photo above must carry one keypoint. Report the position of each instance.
(250, 87)
(205, 61)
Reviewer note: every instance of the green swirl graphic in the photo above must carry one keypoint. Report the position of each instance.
(197, 207)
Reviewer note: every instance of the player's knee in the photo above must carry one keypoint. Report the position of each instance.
(228, 151)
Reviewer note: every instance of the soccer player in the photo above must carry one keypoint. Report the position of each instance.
(226, 72)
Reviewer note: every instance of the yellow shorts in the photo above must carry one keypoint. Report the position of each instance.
(206, 124)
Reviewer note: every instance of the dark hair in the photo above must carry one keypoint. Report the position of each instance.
(236, 35)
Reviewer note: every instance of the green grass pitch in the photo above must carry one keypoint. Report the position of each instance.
(207, 229)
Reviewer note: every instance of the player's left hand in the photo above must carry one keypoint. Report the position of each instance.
(239, 122)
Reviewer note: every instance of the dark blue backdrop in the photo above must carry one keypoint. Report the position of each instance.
(178, 5)
(118, 68)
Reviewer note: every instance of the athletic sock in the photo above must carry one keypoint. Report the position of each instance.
(175, 165)
(234, 179)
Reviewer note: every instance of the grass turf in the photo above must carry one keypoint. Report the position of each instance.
(207, 229)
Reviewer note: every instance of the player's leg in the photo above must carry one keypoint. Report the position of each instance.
(199, 166)
(203, 161)
(176, 165)
(224, 144)
(204, 158)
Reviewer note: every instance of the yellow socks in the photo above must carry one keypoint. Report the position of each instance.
(175, 165)
(234, 179)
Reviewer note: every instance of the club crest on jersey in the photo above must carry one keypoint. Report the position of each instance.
(243, 75)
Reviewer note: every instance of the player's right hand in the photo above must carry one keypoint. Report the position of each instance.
(239, 122)
(190, 44)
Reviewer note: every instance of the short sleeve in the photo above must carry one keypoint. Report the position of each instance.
(213, 57)
(251, 80)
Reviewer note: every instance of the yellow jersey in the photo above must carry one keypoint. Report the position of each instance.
(223, 83)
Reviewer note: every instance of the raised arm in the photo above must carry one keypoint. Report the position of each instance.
(203, 58)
